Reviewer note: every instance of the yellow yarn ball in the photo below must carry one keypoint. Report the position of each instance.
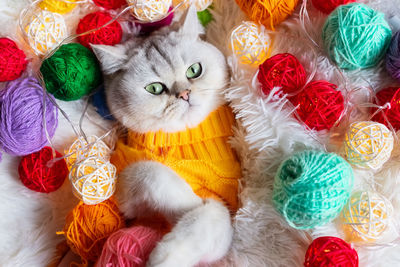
(45, 31)
(366, 217)
(150, 10)
(93, 180)
(368, 144)
(58, 6)
(200, 5)
(81, 150)
(251, 44)
(268, 12)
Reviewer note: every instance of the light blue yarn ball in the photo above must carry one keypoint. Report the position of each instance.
(355, 36)
(311, 188)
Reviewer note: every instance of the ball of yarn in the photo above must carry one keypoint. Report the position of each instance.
(87, 228)
(393, 57)
(368, 144)
(311, 188)
(268, 12)
(129, 247)
(93, 180)
(329, 251)
(319, 105)
(250, 43)
(45, 31)
(356, 36)
(71, 72)
(108, 35)
(23, 106)
(58, 6)
(148, 27)
(82, 149)
(366, 217)
(38, 173)
(109, 4)
(205, 17)
(327, 6)
(281, 70)
(12, 60)
(389, 100)
(150, 10)
(98, 100)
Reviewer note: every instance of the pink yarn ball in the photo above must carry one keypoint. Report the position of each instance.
(129, 247)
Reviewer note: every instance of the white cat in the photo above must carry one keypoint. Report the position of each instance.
(170, 83)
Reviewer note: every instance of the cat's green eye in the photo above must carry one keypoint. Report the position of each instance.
(194, 71)
(155, 88)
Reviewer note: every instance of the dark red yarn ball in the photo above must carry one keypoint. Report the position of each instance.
(281, 70)
(108, 35)
(12, 60)
(110, 4)
(327, 6)
(329, 251)
(389, 95)
(36, 175)
(320, 105)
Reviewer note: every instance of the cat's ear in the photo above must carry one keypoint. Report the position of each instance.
(191, 26)
(111, 58)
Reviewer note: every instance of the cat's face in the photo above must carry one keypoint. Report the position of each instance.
(168, 81)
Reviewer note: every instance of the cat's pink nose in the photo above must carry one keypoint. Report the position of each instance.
(184, 94)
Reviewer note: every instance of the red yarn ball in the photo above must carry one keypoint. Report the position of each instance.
(320, 105)
(329, 251)
(389, 95)
(110, 4)
(108, 35)
(281, 70)
(327, 6)
(37, 176)
(12, 60)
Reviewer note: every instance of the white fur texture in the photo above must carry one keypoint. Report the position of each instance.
(267, 134)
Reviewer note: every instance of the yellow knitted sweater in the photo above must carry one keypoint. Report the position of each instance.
(200, 155)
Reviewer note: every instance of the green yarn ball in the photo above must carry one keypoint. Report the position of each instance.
(311, 188)
(71, 72)
(205, 17)
(356, 36)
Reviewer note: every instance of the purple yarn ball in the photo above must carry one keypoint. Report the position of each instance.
(146, 28)
(393, 57)
(22, 128)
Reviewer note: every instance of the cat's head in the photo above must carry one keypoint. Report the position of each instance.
(168, 81)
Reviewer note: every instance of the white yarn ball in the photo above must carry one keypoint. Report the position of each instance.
(368, 144)
(80, 150)
(45, 31)
(250, 43)
(93, 180)
(150, 10)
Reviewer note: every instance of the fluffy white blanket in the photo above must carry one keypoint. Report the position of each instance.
(267, 134)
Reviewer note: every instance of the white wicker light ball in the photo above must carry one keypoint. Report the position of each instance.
(368, 144)
(93, 180)
(250, 43)
(150, 10)
(80, 150)
(45, 31)
(199, 4)
(366, 217)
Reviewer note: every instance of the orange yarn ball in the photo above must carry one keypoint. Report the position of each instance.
(268, 12)
(87, 228)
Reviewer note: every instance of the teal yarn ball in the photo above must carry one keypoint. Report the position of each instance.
(356, 36)
(311, 188)
(71, 72)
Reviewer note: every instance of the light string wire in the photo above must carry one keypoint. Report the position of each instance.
(78, 132)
